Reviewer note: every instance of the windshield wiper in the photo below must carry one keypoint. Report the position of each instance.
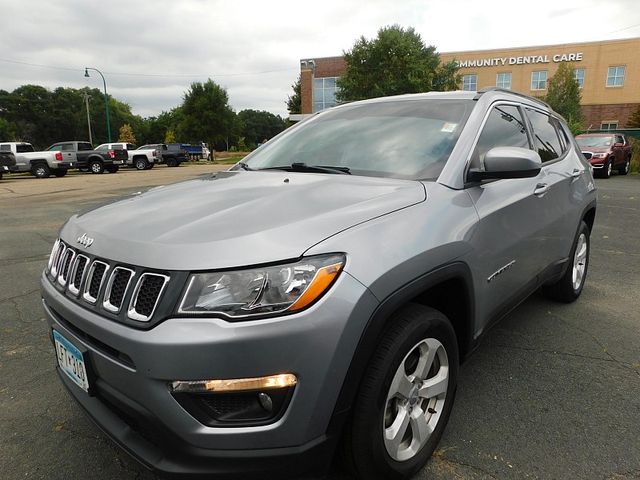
(244, 166)
(303, 167)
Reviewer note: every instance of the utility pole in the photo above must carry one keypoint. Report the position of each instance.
(86, 100)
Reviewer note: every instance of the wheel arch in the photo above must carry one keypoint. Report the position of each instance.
(589, 215)
(448, 288)
(95, 157)
(37, 161)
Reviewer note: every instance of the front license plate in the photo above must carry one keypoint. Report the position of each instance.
(71, 361)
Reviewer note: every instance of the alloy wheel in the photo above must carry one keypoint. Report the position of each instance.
(415, 400)
(579, 262)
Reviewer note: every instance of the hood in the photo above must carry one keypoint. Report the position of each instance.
(596, 149)
(234, 219)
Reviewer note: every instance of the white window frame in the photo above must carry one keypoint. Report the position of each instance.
(575, 76)
(324, 103)
(609, 125)
(500, 84)
(466, 85)
(615, 76)
(546, 80)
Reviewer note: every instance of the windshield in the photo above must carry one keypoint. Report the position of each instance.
(401, 139)
(594, 141)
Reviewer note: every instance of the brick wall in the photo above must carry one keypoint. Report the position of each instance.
(595, 115)
(330, 66)
(306, 90)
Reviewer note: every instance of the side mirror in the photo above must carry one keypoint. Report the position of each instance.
(508, 162)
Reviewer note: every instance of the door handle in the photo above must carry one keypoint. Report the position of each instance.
(541, 189)
(576, 173)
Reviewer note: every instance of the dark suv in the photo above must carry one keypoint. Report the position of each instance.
(324, 291)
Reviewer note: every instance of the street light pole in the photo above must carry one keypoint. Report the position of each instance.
(106, 99)
(86, 101)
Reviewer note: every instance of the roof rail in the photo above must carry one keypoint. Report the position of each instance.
(506, 90)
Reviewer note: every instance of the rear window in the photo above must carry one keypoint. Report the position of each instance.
(401, 139)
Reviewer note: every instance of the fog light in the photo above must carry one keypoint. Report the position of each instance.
(283, 380)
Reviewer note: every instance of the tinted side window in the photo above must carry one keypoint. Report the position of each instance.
(5, 148)
(545, 134)
(130, 146)
(84, 146)
(504, 128)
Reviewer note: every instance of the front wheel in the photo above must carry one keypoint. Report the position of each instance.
(570, 286)
(150, 166)
(172, 162)
(141, 163)
(112, 168)
(607, 169)
(405, 398)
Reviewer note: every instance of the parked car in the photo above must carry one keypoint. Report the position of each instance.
(324, 290)
(7, 163)
(194, 152)
(40, 164)
(173, 155)
(84, 157)
(606, 152)
(140, 158)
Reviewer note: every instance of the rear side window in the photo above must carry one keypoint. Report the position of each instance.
(5, 148)
(504, 128)
(84, 146)
(546, 135)
(131, 146)
(24, 148)
(103, 148)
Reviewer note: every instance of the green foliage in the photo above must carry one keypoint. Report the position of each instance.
(206, 114)
(257, 126)
(126, 134)
(395, 62)
(7, 130)
(564, 96)
(634, 119)
(294, 102)
(635, 155)
(170, 136)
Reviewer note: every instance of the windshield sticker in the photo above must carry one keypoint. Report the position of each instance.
(449, 127)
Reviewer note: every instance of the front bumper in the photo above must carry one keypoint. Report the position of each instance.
(133, 405)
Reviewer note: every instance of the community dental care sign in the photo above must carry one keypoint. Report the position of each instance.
(499, 61)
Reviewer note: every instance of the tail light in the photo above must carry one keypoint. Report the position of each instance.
(111, 154)
(58, 156)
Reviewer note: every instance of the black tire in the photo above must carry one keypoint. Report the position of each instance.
(150, 166)
(0, 175)
(607, 169)
(172, 162)
(564, 290)
(140, 163)
(60, 172)
(624, 169)
(365, 453)
(40, 170)
(96, 166)
(112, 168)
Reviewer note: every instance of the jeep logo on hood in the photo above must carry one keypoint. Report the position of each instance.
(85, 240)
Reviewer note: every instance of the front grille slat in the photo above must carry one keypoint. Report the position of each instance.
(117, 288)
(77, 274)
(95, 279)
(146, 296)
(65, 265)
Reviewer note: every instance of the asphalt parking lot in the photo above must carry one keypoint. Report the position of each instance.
(552, 392)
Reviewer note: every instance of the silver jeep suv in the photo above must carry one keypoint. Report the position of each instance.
(323, 292)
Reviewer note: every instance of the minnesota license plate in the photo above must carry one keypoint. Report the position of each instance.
(71, 361)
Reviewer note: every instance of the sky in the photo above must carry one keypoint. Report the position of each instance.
(151, 51)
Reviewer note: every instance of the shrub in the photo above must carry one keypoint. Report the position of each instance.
(635, 156)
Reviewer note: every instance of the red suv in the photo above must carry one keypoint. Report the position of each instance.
(606, 152)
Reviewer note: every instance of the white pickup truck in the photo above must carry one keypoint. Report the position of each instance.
(40, 164)
(142, 159)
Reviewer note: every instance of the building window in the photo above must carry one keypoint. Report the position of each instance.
(578, 74)
(470, 82)
(539, 80)
(609, 126)
(503, 80)
(324, 93)
(615, 76)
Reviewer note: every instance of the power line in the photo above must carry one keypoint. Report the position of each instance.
(158, 75)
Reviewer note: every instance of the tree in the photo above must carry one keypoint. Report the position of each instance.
(257, 126)
(294, 102)
(395, 62)
(126, 134)
(170, 136)
(207, 115)
(563, 95)
(7, 130)
(634, 119)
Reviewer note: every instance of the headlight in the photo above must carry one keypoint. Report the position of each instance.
(263, 290)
